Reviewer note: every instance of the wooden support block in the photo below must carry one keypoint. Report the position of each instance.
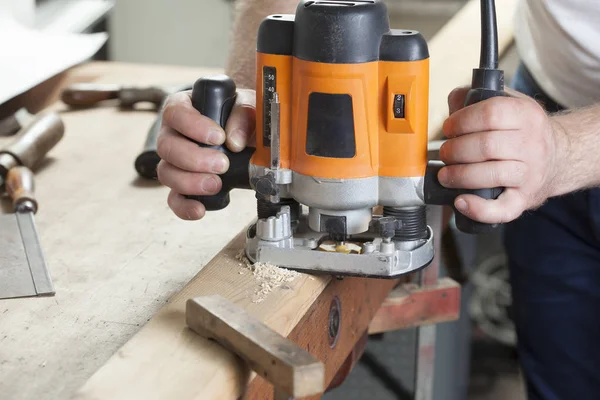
(358, 300)
(291, 369)
(410, 305)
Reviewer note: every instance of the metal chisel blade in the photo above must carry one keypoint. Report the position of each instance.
(15, 277)
(23, 271)
(35, 256)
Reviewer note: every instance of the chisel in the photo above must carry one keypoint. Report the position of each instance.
(23, 271)
(20, 188)
(90, 94)
(32, 143)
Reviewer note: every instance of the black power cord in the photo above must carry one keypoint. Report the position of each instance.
(489, 35)
(488, 80)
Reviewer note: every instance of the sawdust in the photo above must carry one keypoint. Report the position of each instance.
(268, 276)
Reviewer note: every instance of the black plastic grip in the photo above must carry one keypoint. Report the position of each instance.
(436, 194)
(487, 83)
(214, 97)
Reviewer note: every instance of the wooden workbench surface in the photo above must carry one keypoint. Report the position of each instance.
(115, 250)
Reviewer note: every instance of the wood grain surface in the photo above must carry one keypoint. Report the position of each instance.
(114, 249)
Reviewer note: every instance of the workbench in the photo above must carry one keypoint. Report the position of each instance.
(115, 251)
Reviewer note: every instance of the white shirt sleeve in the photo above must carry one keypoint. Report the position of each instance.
(559, 42)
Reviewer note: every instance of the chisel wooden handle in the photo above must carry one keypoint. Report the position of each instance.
(130, 96)
(89, 94)
(20, 188)
(33, 142)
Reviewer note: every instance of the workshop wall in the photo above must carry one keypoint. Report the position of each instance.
(197, 32)
(182, 32)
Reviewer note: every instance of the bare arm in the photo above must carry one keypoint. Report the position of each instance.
(579, 132)
(241, 64)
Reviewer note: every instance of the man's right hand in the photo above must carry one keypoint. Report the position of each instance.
(189, 169)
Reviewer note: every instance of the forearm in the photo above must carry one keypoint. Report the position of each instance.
(248, 14)
(578, 149)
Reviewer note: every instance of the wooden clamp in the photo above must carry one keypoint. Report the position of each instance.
(293, 372)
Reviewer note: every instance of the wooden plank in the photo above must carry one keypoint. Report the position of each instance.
(410, 305)
(291, 369)
(455, 52)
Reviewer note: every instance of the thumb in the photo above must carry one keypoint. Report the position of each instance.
(241, 124)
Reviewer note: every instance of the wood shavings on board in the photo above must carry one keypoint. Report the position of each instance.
(268, 276)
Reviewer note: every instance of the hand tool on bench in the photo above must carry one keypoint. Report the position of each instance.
(147, 161)
(342, 127)
(90, 94)
(23, 270)
(293, 372)
(14, 123)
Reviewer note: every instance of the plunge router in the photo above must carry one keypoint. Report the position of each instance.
(342, 127)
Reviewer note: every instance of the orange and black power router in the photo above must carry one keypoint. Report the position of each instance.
(342, 115)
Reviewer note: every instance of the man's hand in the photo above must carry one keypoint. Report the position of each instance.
(186, 167)
(505, 142)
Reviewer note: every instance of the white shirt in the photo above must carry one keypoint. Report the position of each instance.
(559, 42)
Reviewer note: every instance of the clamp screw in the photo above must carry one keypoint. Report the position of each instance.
(388, 227)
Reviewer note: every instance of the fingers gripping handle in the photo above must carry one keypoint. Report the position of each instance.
(486, 84)
(214, 98)
(436, 194)
(491, 85)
